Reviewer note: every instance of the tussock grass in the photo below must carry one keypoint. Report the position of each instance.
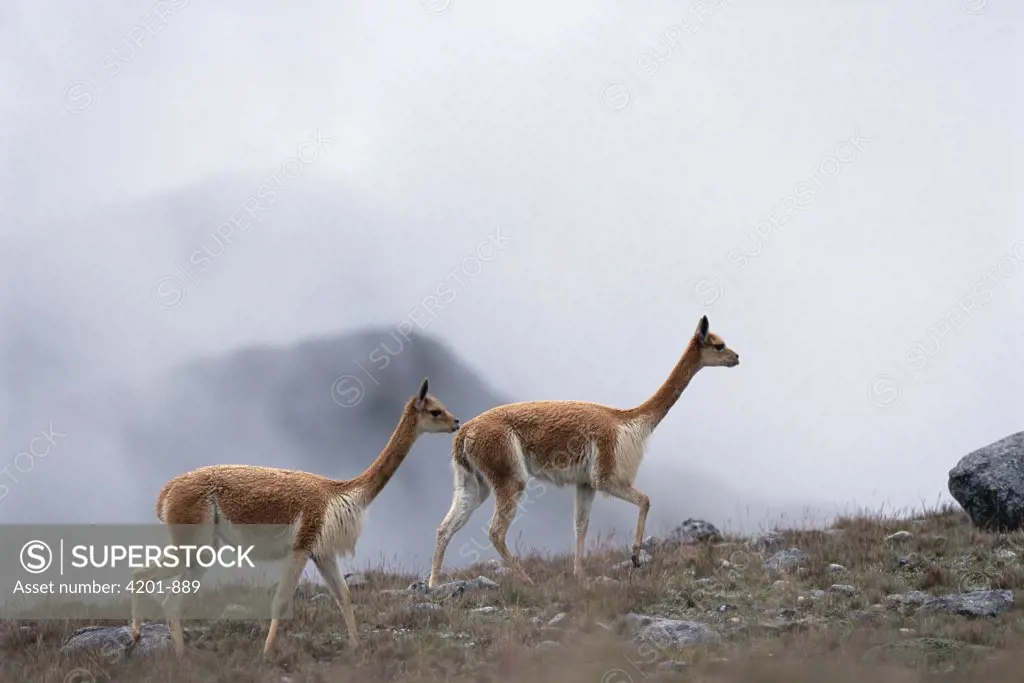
(774, 627)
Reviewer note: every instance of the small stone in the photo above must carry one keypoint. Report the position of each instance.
(899, 537)
(766, 541)
(355, 580)
(424, 607)
(549, 646)
(236, 612)
(817, 594)
(836, 568)
(644, 557)
(1005, 555)
(490, 609)
(560, 620)
(780, 585)
(843, 588)
(912, 598)
(785, 560)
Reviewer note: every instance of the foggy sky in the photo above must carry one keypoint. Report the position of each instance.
(638, 163)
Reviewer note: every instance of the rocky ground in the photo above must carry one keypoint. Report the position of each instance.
(896, 599)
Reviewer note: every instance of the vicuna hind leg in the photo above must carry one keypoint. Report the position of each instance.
(181, 535)
(328, 567)
(584, 499)
(641, 500)
(506, 504)
(285, 593)
(471, 490)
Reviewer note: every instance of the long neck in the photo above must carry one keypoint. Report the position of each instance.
(371, 482)
(654, 409)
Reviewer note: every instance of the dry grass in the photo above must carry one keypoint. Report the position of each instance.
(773, 628)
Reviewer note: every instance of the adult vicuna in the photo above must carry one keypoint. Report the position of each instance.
(325, 516)
(591, 446)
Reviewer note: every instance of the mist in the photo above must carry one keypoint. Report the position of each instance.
(188, 185)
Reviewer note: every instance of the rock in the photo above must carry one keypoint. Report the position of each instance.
(817, 594)
(355, 580)
(899, 537)
(644, 557)
(843, 589)
(780, 585)
(836, 568)
(453, 589)
(694, 531)
(1006, 556)
(560, 620)
(486, 610)
(651, 543)
(980, 603)
(118, 639)
(911, 561)
(238, 612)
(672, 633)
(785, 560)
(989, 484)
(549, 646)
(766, 541)
(911, 598)
(425, 607)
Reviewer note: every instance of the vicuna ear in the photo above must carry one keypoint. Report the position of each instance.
(702, 330)
(423, 391)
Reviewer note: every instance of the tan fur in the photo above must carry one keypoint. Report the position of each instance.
(567, 443)
(319, 518)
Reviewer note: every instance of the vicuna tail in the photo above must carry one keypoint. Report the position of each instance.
(161, 498)
(459, 455)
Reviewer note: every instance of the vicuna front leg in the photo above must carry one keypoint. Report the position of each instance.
(584, 499)
(338, 589)
(641, 501)
(506, 504)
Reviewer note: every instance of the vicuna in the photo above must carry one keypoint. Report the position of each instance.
(587, 445)
(323, 517)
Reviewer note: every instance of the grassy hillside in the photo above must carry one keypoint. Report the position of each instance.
(832, 616)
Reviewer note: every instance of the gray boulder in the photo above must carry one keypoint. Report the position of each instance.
(983, 603)
(786, 560)
(114, 641)
(694, 531)
(989, 484)
(670, 633)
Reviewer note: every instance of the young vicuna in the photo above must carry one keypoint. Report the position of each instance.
(325, 516)
(591, 446)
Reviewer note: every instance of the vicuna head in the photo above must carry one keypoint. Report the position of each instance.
(713, 351)
(431, 415)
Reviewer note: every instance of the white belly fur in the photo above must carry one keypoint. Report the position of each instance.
(343, 524)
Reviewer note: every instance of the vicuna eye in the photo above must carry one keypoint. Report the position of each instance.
(720, 347)
(435, 413)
